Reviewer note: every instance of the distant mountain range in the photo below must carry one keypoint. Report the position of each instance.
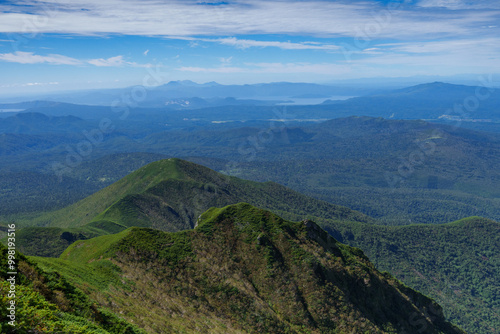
(467, 106)
(179, 94)
(428, 101)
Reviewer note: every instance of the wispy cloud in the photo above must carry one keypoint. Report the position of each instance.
(460, 4)
(113, 61)
(481, 56)
(284, 68)
(224, 69)
(321, 68)
(247, 43)
(420, 36)
(474, 46)
(31, 58)
(305, 18)
(30, 84)
(226, 60)
(21, 57)
(40, 83)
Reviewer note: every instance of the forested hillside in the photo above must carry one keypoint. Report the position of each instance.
(456, 263)
(420, 172)
(244, 270)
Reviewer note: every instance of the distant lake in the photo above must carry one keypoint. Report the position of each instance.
(311, 101)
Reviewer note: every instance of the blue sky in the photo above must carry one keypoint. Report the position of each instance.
(71, 44)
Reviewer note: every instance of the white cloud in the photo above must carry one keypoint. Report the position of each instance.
(276, 68)
(116, 61)
(226, 60)
(31, 58)
(460, 4)
(224, 69)
(449, 46)
(246, 43)
(320, 68)
(472, 51)
(441, 3)
(466, 61)
(40, 83)
(29, 84)
(426, 33)
(306, 18)
(113, 61)
(21, 57)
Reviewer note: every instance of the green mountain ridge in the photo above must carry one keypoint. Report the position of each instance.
(154, 178)
(167, 195)
(437, 259)
(244, 270)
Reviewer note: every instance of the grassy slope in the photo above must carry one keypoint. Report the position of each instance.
(245, 270)
(48, 302)
(47, 241)
(83, 211)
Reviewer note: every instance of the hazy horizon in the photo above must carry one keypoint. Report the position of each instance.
(73, 45)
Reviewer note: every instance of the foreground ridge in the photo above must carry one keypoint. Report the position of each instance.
(243, 270)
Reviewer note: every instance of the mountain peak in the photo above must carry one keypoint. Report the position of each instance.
(178, 83)
(173, 168)
(171, 194)
(210, 84)
(258, 223)
(246, 215)
(31, 116)
(433, 87)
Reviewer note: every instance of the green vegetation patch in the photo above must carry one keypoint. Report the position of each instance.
(35, 314)
(52, 241)
(94, 276)
(152, 244)
(48, 301)
(457, 264)
(149, 243)
(247, 219)
(84, 251)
